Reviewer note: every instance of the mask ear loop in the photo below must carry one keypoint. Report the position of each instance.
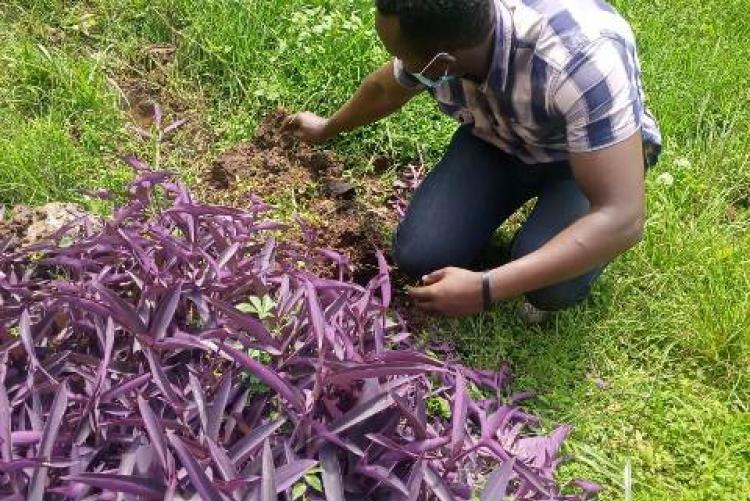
(432, 61)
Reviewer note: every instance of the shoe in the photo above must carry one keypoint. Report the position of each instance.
(531, 315)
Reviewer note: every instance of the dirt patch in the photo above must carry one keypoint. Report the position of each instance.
(146, 83)
(348, 215)
(140, 94)
(271, 157)
(352, 216)
(27, 225)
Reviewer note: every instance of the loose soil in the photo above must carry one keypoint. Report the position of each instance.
(347, 215)
(147, 81)
(351, 216)
(27, 225)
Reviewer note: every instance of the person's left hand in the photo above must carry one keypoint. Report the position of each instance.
(450, 291)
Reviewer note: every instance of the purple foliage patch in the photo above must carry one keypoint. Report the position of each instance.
(405, 186)
(178, 351)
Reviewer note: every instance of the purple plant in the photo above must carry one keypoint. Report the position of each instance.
(405, 186)
(178, 351)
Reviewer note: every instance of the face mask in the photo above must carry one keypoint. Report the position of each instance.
(428, 82)
(434, 83)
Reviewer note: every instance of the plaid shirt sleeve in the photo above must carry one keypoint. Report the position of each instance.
(403, 77)
(598, 96)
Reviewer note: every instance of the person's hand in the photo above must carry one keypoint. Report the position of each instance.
(308, 127)
(450, 291)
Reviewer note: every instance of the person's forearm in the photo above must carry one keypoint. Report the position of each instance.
(593, 240)
(375, 99)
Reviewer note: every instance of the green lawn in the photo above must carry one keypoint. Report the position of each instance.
(668, 329)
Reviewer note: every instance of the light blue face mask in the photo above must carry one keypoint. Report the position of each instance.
(430, 83)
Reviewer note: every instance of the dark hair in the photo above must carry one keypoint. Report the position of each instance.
(441, 24)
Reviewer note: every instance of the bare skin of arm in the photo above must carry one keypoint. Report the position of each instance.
(613, 180)
(378, 96)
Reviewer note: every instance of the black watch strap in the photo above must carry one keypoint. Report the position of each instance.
(486, 291)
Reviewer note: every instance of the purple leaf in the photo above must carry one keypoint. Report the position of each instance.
(384, 476)
(126, 387)
(497, 483)
(437, 485)
(23, 464)
(121, 311)
(316, 313)
(219, 403)
(268, 475)
(23, 437)
(586, 486)
(51, 429)
(536, 480)
(351, 401)
(24, 326)
(205, 488)
(288, 474)
(427, 445)
(414, 484)
(540, 451)
(109, 341)
(237, 408)
(222, 461)
(406, 356)
(242, 449)
(147, 487)
(141, 132)
(362, 412)
(200, 400)
(253, 326)
(160, 378)
(166, 310)
(418, 424)
(6, 451)
(460, 405)
(137, 165)
(385, 285)
(289, 393)
(174, 126)
(347, 445)
(156, 435)
(520, 397)
(332, 479)
(158, 115)
(379, 370)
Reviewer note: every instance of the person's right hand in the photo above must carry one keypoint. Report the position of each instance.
(308, 127)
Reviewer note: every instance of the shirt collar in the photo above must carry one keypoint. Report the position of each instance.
(497, 77)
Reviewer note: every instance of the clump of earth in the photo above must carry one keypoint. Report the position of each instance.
(351, 216)
(26, 225)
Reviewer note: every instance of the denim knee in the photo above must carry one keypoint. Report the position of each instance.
(558, 296)
(415, 256)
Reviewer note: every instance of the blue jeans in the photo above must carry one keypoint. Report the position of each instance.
(469, 194)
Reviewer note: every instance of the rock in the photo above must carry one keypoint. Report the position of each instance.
(30, 225)
(380, 164)
(340, 189)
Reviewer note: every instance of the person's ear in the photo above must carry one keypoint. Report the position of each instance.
(446, 60)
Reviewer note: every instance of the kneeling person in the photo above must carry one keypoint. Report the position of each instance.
(551, 107)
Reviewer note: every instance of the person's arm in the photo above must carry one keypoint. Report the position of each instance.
(613, 180)
(379, 95)
(598, 101)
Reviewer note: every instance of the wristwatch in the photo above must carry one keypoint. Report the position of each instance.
(486, 290)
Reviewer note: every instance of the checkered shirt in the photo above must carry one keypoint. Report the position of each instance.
(565, 77)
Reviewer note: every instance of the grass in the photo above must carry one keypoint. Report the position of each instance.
(666, 330)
